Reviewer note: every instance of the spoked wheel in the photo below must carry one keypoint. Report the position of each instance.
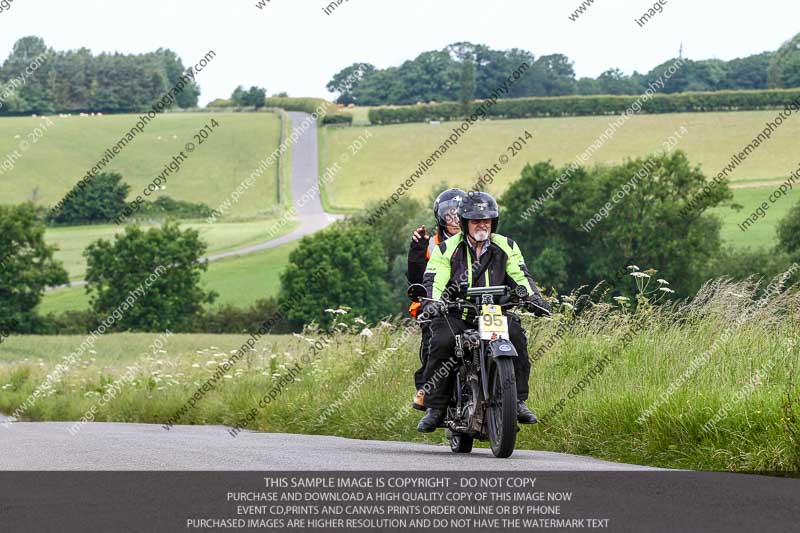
(502, 411)
(460, 443)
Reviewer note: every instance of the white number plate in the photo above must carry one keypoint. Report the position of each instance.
(492, 324)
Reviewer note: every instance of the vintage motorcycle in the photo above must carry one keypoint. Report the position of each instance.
(484, 401)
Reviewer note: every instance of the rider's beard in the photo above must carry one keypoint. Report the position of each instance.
(480, 235)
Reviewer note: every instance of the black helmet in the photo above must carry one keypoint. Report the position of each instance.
(449, 199)
(478, 206)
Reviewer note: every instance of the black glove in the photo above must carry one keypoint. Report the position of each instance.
(537, 307)
(431, 310)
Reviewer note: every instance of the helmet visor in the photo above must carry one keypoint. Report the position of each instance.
(447, 213)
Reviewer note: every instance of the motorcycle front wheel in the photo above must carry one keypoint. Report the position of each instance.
(461, 443)
(502, 411)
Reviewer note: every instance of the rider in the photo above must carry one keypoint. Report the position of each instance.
(484, 258)
(445, 211)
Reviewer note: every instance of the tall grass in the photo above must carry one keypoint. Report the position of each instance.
(672, 366)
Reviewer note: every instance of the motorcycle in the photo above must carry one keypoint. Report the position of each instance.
(484, 401)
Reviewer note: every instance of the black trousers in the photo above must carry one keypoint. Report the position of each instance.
(440, 371)
(420, 376)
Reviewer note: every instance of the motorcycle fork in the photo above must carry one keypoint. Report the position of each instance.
(460, 357)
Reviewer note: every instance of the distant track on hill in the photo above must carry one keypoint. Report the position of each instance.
(305, 177)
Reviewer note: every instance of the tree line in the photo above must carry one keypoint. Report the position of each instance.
(77, 81)
(362, 266)
(466, 71)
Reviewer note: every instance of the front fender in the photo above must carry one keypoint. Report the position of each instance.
(502, 348)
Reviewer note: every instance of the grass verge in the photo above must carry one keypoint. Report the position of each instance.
(680, 364)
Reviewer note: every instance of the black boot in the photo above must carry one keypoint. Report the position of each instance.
(431, 420)
(525, 415)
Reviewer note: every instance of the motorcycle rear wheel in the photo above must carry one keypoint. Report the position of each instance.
(502, 408)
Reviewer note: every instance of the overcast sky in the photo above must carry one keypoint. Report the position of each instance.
(293, 46)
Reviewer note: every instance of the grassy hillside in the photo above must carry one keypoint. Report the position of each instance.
(239, 280)
(393, 153)
(681, 365)
(72, 145)
(220, 237)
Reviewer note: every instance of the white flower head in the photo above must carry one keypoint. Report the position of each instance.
(359, 320)
(662, 281)
(633, 267)
(640, 275)
(366, 333)
(622, 299)
(666, 289)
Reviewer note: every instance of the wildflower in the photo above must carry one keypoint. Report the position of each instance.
(366, 333)
(665, 289)
(633, 267)
(662, 281)
(359, 320)
(195, 365)
(640, 275)
(621, 299)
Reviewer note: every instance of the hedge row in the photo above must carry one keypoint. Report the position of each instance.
(566, 106)
(340, 118)
(306, 105)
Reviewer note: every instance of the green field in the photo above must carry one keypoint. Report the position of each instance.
(647, 354)
(239, 280)
(393, 153)
(220, 237)
(69, 148)
(763, 232)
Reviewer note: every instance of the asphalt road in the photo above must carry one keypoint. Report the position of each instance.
(305, 178)
(107, 446)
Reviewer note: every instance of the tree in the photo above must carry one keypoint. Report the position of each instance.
(789, 233)
(784, 64)
(239, 96)
(346, 82)
(748, 72)
(467, 92)
(161, 267)
(555, 75)
(646, 225)
(34, 94)
(27, 267)
(614, 81)
(343, 265)
(101, 200)
(174, 69)
(256, 97)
